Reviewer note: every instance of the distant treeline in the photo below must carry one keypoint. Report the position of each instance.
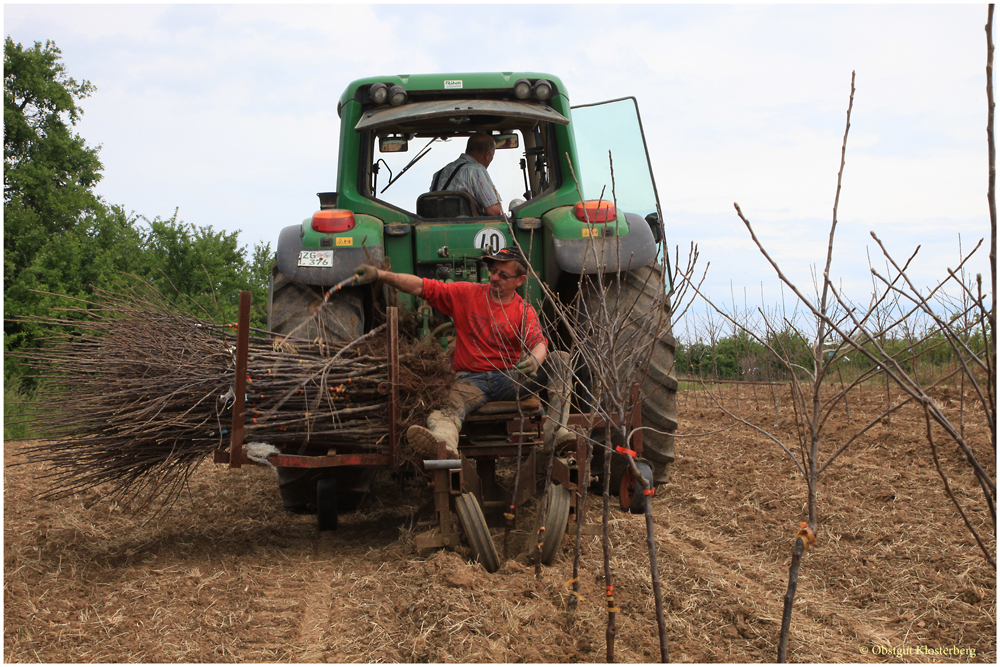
(741, 357)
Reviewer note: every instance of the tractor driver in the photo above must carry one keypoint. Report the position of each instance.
(469, 174)
(499, 346)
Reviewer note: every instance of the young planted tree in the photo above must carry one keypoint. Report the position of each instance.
(618, 327)
(851, 327)
(976, 363)
(837, 328)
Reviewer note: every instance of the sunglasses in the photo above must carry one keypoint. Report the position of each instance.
(500, 274)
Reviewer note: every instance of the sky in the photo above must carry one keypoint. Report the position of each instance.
(227, 114)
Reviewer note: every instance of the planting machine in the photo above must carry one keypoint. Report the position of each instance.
(395, 132)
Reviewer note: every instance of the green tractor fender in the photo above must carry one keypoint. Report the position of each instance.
(298, 257)
(625, 243)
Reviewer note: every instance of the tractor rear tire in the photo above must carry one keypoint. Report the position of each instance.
(297, 310)
(294, 310)
(636, 292)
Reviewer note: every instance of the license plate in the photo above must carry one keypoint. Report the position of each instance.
(315, 258)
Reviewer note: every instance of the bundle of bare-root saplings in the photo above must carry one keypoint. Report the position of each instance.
(136, 393)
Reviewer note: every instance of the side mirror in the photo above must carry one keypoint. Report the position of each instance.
(653, 220)
(392, 145)
(507, 140)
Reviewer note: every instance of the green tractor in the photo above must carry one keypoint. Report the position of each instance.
(396, 132)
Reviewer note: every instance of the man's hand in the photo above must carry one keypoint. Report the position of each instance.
(527, 365)
(364, 274)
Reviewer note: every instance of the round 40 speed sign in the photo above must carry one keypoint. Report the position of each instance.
(490, 240)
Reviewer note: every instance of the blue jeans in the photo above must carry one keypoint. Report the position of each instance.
(472, 390)
(495, 385)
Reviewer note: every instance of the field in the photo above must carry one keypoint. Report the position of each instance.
(228, 577)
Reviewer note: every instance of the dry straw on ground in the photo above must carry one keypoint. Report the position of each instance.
(230, 578)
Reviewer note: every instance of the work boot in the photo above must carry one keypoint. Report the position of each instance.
(564, 439)
(425, 444)
(557, 435)
(661, 473)
(557, 412)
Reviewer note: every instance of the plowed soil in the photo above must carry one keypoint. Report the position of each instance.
(227, 576)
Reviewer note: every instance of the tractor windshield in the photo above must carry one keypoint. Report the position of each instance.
(609, 135)
(407, 145)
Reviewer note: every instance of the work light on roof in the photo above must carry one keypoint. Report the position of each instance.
(543, 89)
(397, 95)
(522, 89)
(379, 92)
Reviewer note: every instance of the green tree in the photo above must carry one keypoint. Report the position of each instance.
(61, 241)
(53, 221)
(49, 171)
(204, 270)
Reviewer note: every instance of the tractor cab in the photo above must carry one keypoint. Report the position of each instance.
(401, 147)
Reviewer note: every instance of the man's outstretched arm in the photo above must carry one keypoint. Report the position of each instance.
(404, 282)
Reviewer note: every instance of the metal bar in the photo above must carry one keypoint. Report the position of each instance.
(526, 487)
(585, 419)
(446, 464)
(470, 482)
(636, 420)
(494, 505)
(588, 528)
(510, 450)
(240, 383)
(301, 461)
(430, 541)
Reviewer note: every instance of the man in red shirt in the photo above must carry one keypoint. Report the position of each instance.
(499, 345)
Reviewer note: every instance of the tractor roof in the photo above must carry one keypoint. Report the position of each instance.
(461, 113)
(450, 83)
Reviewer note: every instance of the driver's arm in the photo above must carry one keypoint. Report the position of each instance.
(496, 209)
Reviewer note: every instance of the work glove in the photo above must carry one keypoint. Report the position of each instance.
(364, 274)
(527, 366)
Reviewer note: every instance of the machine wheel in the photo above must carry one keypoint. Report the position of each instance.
(555, 521)
(476, 531)
(354, 487)
(299, 487)
(636, 292)
(293, 309)
(630, 493)
(326, 503)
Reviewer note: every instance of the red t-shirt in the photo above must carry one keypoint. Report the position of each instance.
(486, 331)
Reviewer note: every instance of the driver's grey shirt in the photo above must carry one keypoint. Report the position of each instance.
(473, 178)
